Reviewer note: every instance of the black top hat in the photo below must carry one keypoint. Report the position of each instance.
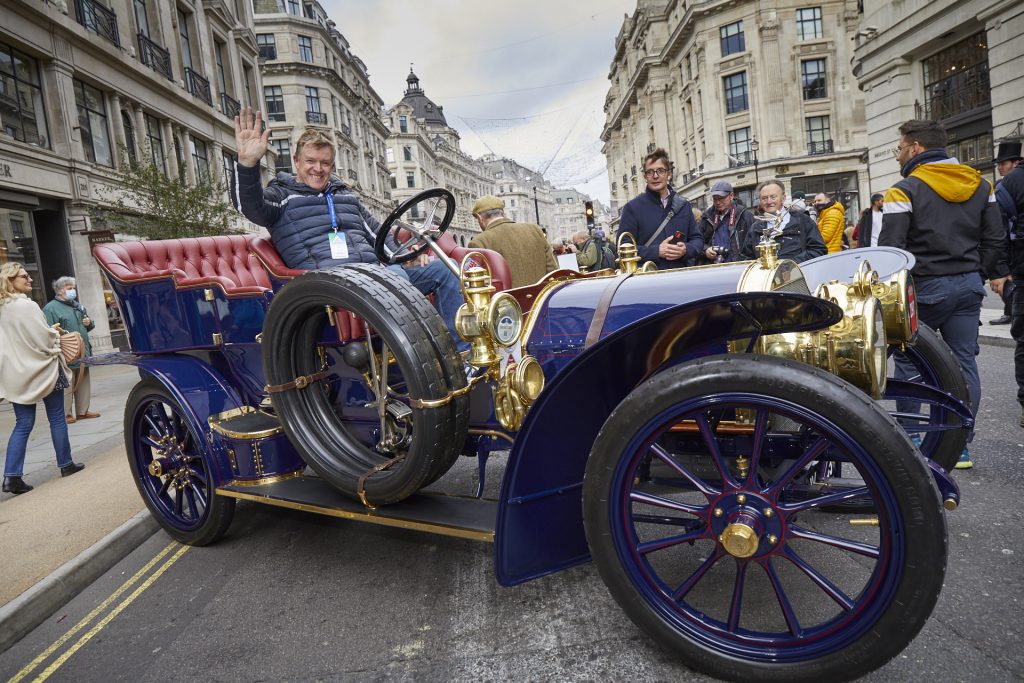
(1009, 150)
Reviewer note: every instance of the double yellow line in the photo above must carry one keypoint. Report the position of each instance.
(99, 609)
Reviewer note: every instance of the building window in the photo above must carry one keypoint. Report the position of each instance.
(155, 136)
(283, 148)
(312, 99)
(129, 136)
(293, 7)
(21, 98)
(407, 153)
(808, 23)
(200, 160)
(389, 155)
(394, 181)
(275, 102)
(739, 144)
(731, 37)
(735, 87)
(974, 151)
(812, 75)
(410, 179)
(218, 56)
(403, 124)
(92, 121)
(184, 39)
(306, 49)
(307, 11)
(819, 135)
(267, 44)
(141, 16)
(956, 80)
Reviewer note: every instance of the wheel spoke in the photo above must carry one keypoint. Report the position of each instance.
(199, 493)
(163, 487)
(819, 579)
(812, 453)
(148, 440)
(686, 586)
(658, 501)
(830, 499)
(864, 549)
(711, 441)
(780, 595)
(737, 597)
(159, 431)
(662, 543)
(191, 495)
(697, 482)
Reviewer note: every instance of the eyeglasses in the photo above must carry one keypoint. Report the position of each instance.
(22, 276)
(655, 172)
(899, 148)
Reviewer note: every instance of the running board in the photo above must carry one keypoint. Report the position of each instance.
(438, 513)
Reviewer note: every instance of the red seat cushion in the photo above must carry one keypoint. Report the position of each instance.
(500, 277)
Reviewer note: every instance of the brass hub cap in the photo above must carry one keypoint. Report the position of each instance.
(739, 540)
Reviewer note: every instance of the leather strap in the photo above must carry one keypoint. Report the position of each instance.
(300, 382)
(361, 484)
(601, 313)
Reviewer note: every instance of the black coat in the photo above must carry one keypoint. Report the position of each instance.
(800, 241)
(738, 233)
(641, 217)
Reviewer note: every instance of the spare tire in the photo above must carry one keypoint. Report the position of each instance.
(425, 360)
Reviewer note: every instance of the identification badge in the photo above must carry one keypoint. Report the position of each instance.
(339, 247)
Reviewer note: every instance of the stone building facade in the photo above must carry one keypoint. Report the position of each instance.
(81, 80)
(960, 62)
(424, 152)
(312, 79)
(528, 196)
(741, 91)
(569, 215)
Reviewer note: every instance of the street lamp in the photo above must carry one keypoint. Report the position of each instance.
(754, 146)
(536, 206)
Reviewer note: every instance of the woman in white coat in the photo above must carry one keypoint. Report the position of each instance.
(31, 370)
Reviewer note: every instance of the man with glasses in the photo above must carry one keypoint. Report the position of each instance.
(945, 214)
(660, 220)
(800, 240)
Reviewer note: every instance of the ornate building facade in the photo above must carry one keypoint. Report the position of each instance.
(960, 62)
(311, 78)
(741, 91)
(569, 217)
(424, 152)
(527, 194)
(83, 80)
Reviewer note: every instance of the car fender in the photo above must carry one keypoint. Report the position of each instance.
(539, 527)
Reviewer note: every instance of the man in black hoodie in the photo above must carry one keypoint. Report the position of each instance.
(945, 214)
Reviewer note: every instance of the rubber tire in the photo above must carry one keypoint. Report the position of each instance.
(220, 510)
(936, 354)
(920, 510)
(291, 331)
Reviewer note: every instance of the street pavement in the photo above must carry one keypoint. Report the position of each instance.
(293, 595)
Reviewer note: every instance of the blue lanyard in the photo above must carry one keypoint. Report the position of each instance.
(330, 207)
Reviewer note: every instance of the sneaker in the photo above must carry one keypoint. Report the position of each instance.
(1001, 320)
(916, 440)
(965, 462)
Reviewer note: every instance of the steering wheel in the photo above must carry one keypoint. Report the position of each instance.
(413, 234)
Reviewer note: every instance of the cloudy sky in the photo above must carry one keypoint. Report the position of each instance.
(524, 79)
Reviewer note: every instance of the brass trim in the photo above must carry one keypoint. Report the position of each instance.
(457, 532)
(208, 294)
(492, 432)
(218, 339)
(215, 424)
(257, 458)
(264, 480)
(233, 459)
(439, 402)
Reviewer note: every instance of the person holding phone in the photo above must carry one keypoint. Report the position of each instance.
(660, 220)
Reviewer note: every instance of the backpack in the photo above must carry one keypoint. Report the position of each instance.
(605, 255)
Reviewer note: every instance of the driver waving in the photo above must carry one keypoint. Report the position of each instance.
(316, 221)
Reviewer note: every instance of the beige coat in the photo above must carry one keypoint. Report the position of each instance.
(29, 352)
(524, 247)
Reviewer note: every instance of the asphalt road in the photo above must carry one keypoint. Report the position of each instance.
(293, 596)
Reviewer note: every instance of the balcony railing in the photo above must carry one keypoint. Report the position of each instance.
(316, 117)
(353, 175)
(740, 159)
(346, 129)
(98, 19)
(821, 147)
(198, 86)
(229, 105)
(155, 57)
(958, 94)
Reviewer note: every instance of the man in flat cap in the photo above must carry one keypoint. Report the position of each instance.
(724, 226)
(523, 245)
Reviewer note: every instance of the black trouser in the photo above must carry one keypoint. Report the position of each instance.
(1017, 330)
(1008, 290)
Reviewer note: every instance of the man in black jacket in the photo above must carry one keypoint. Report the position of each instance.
(945, 214)
(800, 240)
(724, 226)
(870, 224)
(660, 220)
(1013, 186)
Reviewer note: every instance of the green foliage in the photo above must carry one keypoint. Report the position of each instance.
(155, 206)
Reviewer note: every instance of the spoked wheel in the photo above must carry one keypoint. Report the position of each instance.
(938, 433)
(721, 555)
(170, 463)
(383, 418)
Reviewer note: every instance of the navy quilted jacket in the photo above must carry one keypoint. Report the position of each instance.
(300, 223)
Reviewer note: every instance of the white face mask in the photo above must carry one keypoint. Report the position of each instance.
(70, 294)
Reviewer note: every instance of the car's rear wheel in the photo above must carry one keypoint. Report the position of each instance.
(720, 552)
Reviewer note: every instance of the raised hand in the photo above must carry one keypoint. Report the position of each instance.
(249, 140)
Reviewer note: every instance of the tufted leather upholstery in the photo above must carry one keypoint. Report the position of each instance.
(226, 261)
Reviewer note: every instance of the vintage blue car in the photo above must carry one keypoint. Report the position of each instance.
(759, 495)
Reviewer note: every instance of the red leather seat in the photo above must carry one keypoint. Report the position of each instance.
(225, 261)
(500, 277)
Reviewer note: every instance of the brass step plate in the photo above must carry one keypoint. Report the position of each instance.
(437, 513)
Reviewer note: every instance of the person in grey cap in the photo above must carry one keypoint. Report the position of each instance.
(724, 226)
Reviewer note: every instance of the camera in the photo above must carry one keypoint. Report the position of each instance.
(721, 253)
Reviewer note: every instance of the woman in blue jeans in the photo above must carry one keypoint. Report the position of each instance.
(31, 370)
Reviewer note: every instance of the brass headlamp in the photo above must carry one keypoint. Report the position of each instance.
(629, 257)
